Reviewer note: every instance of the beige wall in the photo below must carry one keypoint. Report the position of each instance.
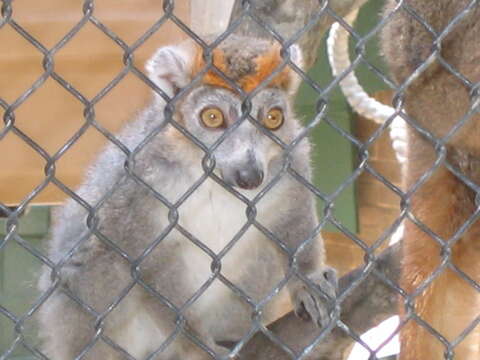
(50, 116)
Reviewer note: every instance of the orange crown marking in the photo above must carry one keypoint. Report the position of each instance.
(265, 64)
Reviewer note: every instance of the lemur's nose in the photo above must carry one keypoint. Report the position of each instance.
(249, 177)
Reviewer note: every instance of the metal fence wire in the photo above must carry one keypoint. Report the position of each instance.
(249, 13)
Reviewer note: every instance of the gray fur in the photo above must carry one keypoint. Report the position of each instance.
(132, 218)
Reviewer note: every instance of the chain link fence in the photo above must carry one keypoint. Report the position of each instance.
(249, 12)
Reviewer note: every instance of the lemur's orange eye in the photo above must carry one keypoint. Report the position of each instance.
(274, 119)
(212, 117)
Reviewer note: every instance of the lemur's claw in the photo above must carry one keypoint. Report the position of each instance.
(311, 303)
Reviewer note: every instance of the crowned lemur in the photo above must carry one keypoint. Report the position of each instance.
(177, 234)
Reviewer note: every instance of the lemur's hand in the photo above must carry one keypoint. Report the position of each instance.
(311, 303)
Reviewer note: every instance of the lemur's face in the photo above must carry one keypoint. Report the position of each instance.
(245, 152)
(211, 106)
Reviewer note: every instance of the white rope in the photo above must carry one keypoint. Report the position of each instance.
(359, 100)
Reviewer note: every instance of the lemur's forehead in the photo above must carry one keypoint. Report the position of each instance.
(248, 67)
(207, 95)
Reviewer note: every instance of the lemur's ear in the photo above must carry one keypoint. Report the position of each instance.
(171, 66)
(297, 58)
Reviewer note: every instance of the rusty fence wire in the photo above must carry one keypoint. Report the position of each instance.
(7, 20)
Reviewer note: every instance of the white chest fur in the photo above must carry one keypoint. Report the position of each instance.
(213, 215)
(218, 220)
(248, 259)
(230, 247)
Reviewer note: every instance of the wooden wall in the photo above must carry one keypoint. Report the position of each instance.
(51, 115)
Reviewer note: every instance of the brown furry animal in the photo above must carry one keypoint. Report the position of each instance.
(437, 100)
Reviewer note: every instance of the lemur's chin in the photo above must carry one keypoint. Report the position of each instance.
(242, 186)
(247, 187)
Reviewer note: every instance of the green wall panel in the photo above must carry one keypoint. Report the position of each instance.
(334, 157)
(18, 274)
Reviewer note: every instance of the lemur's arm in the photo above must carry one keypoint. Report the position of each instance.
(366, 306)
(312, 284)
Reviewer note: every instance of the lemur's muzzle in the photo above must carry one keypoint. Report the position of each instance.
(249, 178)
(246, 174)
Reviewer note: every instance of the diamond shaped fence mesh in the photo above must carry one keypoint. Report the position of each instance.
(445, 157)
